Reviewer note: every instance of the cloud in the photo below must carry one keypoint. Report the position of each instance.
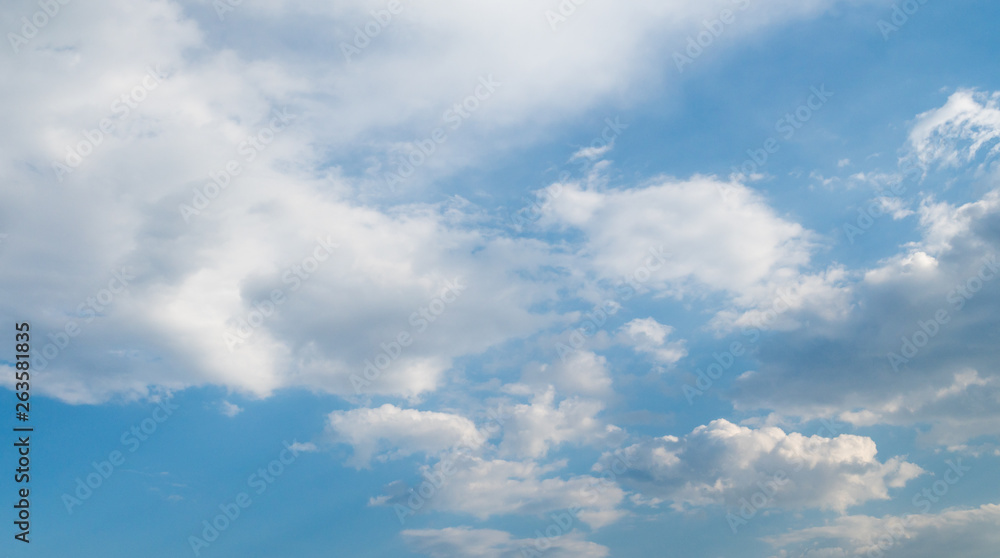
(957, 533)
(486, 488)
(592, 152)
(390, 432)
(197, 278)
(532, 430)
(489, 543)
(649, 336)
(722, 463)
(303, 447)
(899, 352)
(684, 237)
(230, 409)
(581, 373)
(435, 53)
(952, 135)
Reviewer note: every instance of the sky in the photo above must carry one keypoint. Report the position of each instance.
(560, 278)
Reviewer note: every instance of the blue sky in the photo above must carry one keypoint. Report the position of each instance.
(576, 252)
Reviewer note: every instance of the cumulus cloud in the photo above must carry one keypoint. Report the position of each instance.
(390, 432)
(531, 430)
(722, 463)
(716, 235)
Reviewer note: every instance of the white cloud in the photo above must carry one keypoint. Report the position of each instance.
(487, 488)
(592, 152)
(230, 409)
(957, 533)
(953, 134)
(684, 237)
(722, 463)
(862, 362)
(581, 373)
(489, 543)
(120, 205)
(303, 447)
(939, 291)
(531, 430)
(390, 432)
(649, 336)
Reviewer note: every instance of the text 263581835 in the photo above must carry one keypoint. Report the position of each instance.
(22, 505)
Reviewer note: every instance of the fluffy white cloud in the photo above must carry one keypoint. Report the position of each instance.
(722, 463)
(688, 238)
(531, 430)
(581, 373)
(958, 533)
(489, 543)
(955, 133)
(649, 336)
(393, 432)
(674, 236)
